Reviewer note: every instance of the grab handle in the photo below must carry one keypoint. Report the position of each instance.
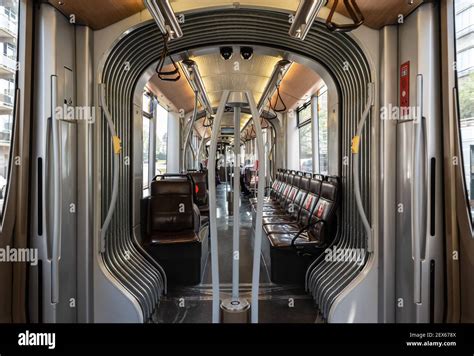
(355, 168)
(57, 190)
(116, 151)
(354, 13)
(418, 196)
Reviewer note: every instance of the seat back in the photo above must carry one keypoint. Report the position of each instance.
(325, 213)
(310, 202)
(200, 194)
(289, 199)
(274, 191)
(295, 208)
(285, 192)
(171, 207)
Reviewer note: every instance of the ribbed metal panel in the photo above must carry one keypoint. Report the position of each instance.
(337, 52)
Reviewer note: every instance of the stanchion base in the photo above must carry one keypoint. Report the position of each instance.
(235, 311)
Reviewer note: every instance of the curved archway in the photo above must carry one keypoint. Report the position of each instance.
(338, 53)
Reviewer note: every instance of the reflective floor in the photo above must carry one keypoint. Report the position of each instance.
(278, 303)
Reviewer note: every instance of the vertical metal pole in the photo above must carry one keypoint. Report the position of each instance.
(188, 133)
(258, 223)
(236, 230)
(225, 168)
(315, 133)
(152, 145)
(213, 208)
(198, 155)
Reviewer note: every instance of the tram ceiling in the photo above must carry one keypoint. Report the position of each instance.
(100, 14)
(296, 87)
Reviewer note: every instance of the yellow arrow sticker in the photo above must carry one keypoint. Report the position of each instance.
(117, 144)
(355, 144)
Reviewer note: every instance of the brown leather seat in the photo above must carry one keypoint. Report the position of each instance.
(201, 196)
(323, 223)
(302, 212)
(278, 188)
(172, 238)
(321, 226)
(292, 204)
(174, 234)
(172, 210)
(284, 240)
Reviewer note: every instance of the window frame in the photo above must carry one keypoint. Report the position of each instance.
(155, 118)
(15, 112)
(301, 126)
(321, 92)
(301, 108)
(458, 75)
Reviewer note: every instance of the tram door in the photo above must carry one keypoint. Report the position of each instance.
(54, 183)
(419, 234)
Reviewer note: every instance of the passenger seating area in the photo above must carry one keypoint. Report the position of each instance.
(173, 231)
(299, 222)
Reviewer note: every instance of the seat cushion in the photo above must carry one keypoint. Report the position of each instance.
(280, 212)
(284, 240)
(204, 210)
(165, 238)
(281, 229)
(255, 200)
(271, 208)
(269, 203)
(271, 220)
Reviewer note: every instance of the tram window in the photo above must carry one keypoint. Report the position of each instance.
(464, 19)
(147, 116)
(146, 150)
(306, 147)
(8, 67)
(161, 139)
(303, 116)
(323, 131)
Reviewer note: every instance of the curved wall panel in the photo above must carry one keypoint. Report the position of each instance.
(137, 50)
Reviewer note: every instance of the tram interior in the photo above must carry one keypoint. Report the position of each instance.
(236, 162)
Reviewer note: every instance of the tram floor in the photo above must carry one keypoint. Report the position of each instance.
(277, 303)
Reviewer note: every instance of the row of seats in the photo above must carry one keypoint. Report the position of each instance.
(174, 228)
(250, 178)
(299, 222)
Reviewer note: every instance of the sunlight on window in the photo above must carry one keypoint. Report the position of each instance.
(161, 139)
(465, 70)
(323, 131)
(8, 66)
(306, 147)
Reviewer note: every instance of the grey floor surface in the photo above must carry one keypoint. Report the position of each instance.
(277, 303)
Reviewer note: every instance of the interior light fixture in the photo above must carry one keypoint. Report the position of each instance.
(164, 16)
(305, 15)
